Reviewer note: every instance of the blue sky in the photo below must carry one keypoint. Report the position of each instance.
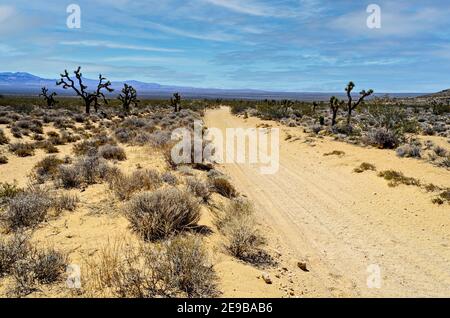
(284, 45)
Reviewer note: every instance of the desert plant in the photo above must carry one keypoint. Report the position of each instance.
(3, 139)
(223, 187)
(125, 186)
(365, 166)
(175, 102)
(88, 98)
(37, 267)
(335, 104)
(409, 151)
(49, 98)
(382, 138)
(179, 267)
(111, 152)
(338, 153)
(65, 202)
(198, 188)
(440, 151)
(396, 178)
(162, 213)
(47, 168)
(3, 160)
(351, 106)
(11, 250)
(128, 97)
(21, 149)
(8, 191)
(69, 177)
(243, 238)
(27, 209)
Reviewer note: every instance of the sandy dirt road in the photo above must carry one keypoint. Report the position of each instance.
(316, 208)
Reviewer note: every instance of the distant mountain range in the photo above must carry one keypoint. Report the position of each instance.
(22, 83)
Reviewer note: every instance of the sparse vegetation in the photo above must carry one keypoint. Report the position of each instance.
(396, 178)
(22, 149)
(223, 187)
(365, 166)
(162, 213)
(26, 209)
(243, 238)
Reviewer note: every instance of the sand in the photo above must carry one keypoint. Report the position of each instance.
(317, 209)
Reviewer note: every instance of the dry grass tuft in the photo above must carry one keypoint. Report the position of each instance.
(159, 214)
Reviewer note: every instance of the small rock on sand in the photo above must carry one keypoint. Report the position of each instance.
(267, 278)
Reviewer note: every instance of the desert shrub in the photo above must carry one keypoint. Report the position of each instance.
(169, 178)
(69, 177)
(124, 134)
(3, 139)
(179, 267)
(27, 209)
(160, 138)
(428, 130)
(186, 170)
(440, 151)
(186, 261)
(443, 197)
(223, 187)
(50, 148)
(16, 132)
(3, 160)
(65, 202)
(38, 267)
(47, 168)
(89, 168)
(22, 149)
(445, 163)
(365, 166)
(89, 147)
(12, 250)
(8, 191)
(396, 178)
(162, 213)
(125, 186)
(198, 188)
(338, 153)
(243, 238)
(382, 138)
(110, 152)
(48, 265)
(409, 151)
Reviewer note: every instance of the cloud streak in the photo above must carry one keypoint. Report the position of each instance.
(113, 45)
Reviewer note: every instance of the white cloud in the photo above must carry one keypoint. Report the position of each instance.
(6, 12)
(113, 45)
(252, 8)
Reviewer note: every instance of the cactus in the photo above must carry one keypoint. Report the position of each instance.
(351, 106)
(88, 98)
(128, 97)
(175, 102)
(335, 104)
(49, 99)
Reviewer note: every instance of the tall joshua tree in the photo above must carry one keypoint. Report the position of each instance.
(351, 106)
(175, 102)
(49, 99)
(128, 97)
(88, 98)
(335, 104)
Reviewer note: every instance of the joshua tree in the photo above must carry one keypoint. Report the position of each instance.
(49, 99)
(128, 97)
(88, 98)
(175, 102)
(335, 103)
(351, 106)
